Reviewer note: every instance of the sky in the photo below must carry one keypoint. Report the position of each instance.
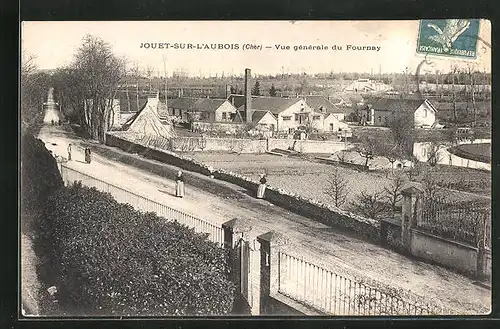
(54, 45)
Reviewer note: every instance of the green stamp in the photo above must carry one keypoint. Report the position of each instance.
(448, 37)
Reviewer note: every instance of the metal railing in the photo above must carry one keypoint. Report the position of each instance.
(216, 233)
(334, 294)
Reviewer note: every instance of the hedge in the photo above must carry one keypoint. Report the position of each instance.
(116, 260)
(39, 179)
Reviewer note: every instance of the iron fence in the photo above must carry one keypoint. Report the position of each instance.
(335, 294)
(468, 223)
(145, 204)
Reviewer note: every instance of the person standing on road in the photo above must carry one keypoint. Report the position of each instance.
(69, 152)
(179, 185)
(88, 157)
(262, 186)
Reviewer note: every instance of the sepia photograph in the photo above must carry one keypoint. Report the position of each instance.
(255, 168)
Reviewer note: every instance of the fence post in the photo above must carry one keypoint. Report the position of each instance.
(235, 240)
(481, 249)
(270, 243)
(412, 210)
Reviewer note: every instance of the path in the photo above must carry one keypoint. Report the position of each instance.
(321, 243)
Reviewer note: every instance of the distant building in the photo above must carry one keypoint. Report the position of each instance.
(290, 113)
(382, 111)
(201, 109)
(261, 119)
(367, 86)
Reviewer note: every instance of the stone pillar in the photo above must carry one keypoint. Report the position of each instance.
(235, 239)
(411, 211)
(270, 243)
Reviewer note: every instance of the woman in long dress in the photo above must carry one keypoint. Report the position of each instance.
(262, 187)
(179, 185)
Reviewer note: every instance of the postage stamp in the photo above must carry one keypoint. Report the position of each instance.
(448, 37)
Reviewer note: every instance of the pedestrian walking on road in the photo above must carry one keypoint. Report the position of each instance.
(69, 152)
(179, 185)
(262, 187)
(88, 157)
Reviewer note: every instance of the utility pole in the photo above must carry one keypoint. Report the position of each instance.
(165, 73)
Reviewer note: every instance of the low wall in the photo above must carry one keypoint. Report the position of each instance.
(238, 145)
(247, 145)
(443, 251)
(326, 214)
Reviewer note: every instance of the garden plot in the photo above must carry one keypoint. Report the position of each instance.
(307, 178)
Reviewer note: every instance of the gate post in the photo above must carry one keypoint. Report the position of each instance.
(235, 240)
(412, 212)
(269, 268)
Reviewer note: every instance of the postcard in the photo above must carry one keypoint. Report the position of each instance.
(255, 168)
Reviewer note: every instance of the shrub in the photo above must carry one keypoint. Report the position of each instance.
(39, 178)
(115, 260)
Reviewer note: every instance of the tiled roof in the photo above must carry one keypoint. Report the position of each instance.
(275, 105)
(196, 104)
(397, 104)
(256, 115)
(318, 102)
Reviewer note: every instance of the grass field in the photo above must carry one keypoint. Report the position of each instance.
(309, 179)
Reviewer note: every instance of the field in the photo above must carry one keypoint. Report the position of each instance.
(309, 179)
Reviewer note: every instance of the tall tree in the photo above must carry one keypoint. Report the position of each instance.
(272, 91)
(99, 73)
(402, 127)
(337, 188)
(256, 89)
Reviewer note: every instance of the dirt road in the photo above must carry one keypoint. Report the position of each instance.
(316, 241)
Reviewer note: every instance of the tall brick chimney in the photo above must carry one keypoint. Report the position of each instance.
(228, 91)
(248, 96)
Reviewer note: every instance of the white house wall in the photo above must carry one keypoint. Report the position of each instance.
(284, 125)
(422, 118)
(336, 124)
(267, 120)
(227, 108)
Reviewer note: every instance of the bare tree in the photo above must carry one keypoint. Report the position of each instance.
(402, 127)
(337, 188)
(370, 205)
(367, 147)
(453, 73)
(98, 72)
(136, 73)
(393, 192)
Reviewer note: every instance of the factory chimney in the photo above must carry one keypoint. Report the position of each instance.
(228, 91)
(248, 96)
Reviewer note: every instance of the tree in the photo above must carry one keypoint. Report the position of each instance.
(393, 192)
(256, 89)
(272, 91)
(367, 147)
(97, 73)
(34, 89)
(337, 188)
(370, 205)
(402, 127)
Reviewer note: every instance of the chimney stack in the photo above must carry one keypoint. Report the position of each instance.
(248, 96)
(228, 91)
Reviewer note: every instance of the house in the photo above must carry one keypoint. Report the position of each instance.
(424, 112)
(147, 121)
(201, 109)
(321, 104)
(343, 99)
(262, 119)
(290, 113)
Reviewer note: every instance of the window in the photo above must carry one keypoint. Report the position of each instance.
(286, 118)
(379, 118)
(316, 117)
(296, 117)
(224, 116)
(425, 113)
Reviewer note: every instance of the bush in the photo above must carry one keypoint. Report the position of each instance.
(39, 179)
(115, 260)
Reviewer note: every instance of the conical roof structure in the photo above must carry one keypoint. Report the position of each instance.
(147, 121)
